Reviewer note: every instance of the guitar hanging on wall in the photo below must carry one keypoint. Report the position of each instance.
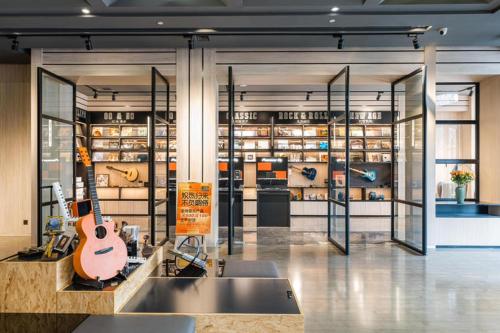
(131, 174)
(101, 254)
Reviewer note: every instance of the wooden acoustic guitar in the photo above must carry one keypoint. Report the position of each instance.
(101, 254)
(130, 174)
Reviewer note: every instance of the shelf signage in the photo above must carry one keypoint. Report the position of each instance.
(304, 117)
(194, 209)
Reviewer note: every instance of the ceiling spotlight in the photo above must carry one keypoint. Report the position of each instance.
(340, 43)
(85, 11)
(88, 43)
(331, 20)
(471, 92)
(379, 95)
(95, 94)
(243, 85)
(160, 22)
(242, 94)
(415, 43)
(15, 44)
(335, 9)
(113, 95)
(308, 95)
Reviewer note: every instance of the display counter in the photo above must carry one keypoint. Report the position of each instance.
(223, 207)
(273, 208)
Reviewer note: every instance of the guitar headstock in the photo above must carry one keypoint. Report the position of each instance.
(84, 154)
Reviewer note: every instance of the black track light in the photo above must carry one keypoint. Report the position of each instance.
(415, 43)
(15, 44)
(242, 95)
(95, 94)
(379, 95)
(88, 43)
(340, 44)
(113, 95)
(471, 92)
(308, 95)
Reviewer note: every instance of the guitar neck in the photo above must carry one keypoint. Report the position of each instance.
(93, 196)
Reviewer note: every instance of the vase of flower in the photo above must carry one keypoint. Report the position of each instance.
(461, 178)
(460, 194)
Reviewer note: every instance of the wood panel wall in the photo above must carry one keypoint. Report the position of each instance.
(489, 124)
(15, 150)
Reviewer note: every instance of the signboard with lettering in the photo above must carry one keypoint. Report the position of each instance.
(124, 117)
(194, 209)
(304, 117)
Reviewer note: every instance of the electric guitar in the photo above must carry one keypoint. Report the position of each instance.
(101, 254)
(367, 174)
(309, 173)
(131, 174)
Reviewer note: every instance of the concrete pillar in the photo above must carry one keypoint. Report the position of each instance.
(197, 121)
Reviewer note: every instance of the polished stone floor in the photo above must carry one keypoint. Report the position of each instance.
(379, 288)
(382, 287)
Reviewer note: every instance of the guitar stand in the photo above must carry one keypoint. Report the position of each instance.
(95, 284)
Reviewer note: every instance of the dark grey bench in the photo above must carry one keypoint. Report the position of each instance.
(134, 323)
(250, 269)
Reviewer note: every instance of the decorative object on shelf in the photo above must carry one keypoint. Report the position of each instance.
(101, 254)
(370, 175)
(131, 174)
(101, 180)
(309, 173)
(461, 178)
(147, 250)
(372, 196)
(53, 229)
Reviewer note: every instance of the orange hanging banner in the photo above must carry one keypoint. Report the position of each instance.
(194, 209)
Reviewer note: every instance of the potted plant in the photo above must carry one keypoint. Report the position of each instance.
(461, 178)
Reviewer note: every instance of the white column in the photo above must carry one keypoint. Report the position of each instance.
(197, 120)
(430, 62)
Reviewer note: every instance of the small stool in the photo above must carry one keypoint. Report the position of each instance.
(250, 269)
(133, 323)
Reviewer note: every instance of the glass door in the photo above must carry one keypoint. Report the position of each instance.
(56, 143)
(409, 115)
(230, 181)
(158, 140)
(338, 160)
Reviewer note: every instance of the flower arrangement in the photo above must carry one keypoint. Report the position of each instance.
(461, 177)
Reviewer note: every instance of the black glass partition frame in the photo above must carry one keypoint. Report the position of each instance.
(408, 220)
(338, 160)
(56, 143)
(230, 184)
(158, 141)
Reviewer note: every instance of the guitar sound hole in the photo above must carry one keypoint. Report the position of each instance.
(100, 232)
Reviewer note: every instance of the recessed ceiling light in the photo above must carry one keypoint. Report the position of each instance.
(332, 21)
(335, 9)
(206, 30)
(243, 85)
(159, 22)
(85, 11)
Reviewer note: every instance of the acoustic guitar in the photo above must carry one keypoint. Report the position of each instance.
(130, 174)
(101, 254)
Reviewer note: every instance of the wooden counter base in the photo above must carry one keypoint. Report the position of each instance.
(107, 301)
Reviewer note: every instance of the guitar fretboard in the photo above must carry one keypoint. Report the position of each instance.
(93, 196)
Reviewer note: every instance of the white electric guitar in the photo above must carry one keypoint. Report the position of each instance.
(69, 221)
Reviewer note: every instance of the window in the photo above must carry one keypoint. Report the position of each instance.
(456, 137)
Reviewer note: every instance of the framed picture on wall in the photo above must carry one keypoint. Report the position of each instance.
(102, 180)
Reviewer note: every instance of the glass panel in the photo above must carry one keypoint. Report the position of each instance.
(455, 141)
(57, 157)
(409, 161)
(408, 96)
(160, 161)
(57, 98)
(445, 188)
(455, 102)
(408, 224)
(337, 222)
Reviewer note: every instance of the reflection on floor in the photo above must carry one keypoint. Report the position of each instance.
(9, 245)
(382, 287)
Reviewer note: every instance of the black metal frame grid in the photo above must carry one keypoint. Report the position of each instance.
(230, 197)
(40, 116)
(344, 248)
(475, 123)
(153, 119)
(394, 200)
